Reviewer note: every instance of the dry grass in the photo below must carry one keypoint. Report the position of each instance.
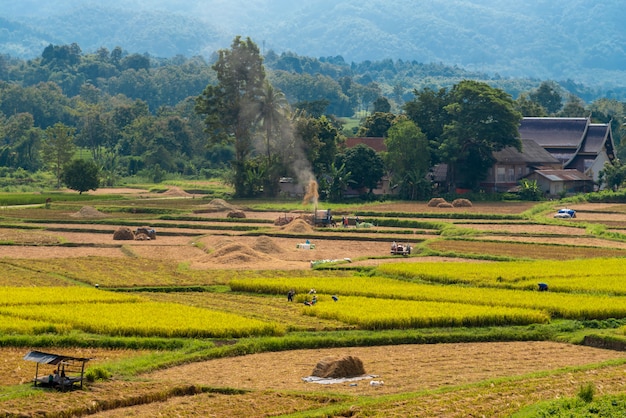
(527, 249)
(15, 370)
(404, 368)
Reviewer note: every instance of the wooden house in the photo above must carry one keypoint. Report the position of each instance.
(576, 142)
(512, 165)
(567, 155)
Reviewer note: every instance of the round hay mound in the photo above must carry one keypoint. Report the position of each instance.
(266, 245)
(142, 237)
(298, 226)
(436, 201)
(223, 243)
(234, 253)
(337, 367)
(123, 233)
(215, 205)
(445, 205)
(462, 203)
(88, 212)
(176, 192)
(236, 214)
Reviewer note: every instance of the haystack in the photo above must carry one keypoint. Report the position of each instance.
(299, 226)
(215, 205)
(123, 233)
(436, 201)
(445, 205)
(88, 212)
(338, 367)
(176, 192)
(266, 245)
(283, 220)
(234, 253)
(236, 214)
(462, 203)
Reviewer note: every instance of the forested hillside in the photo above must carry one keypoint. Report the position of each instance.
(579, 40)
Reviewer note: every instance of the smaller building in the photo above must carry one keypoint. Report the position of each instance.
(289, 187)
(576, 142)
(560, 182)
(512, 165)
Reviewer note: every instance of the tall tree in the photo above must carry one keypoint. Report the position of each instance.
(81, 175)
(548, 95)
(381, 104)
(574, 107)
(231, 107)
(364, 164)
(58, 148)
(273, 108)
(408, 159)
(376, 125)
(528, 107)
(483, 120)
(427, 111)
(23, 143)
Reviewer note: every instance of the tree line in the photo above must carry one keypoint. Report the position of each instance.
(237, 118)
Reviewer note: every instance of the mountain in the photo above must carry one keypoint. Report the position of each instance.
(580, 40)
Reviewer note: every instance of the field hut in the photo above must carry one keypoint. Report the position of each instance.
(68, 370)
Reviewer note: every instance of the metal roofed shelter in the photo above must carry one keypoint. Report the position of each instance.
(69, 370)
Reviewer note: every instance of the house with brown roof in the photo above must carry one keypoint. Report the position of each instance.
(564, 155)
(576, 142)
(374, 142)
(512, 165)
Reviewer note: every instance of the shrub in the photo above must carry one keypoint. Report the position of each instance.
(96, 373)
(586, 392)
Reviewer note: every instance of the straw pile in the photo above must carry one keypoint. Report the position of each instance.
(299, 226)
(462, 203)
(88, 212)
(436, 201)
(338, 367)
(215, 205)
(176, 192)
(266, 245)
(123, 233)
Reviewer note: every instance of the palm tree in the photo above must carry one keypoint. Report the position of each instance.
(273, 110)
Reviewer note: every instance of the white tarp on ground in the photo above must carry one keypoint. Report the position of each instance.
(330, 380)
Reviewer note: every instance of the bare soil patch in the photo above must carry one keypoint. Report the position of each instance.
(118, 190)
(525, 229)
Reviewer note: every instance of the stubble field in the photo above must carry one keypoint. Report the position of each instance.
(270, 383)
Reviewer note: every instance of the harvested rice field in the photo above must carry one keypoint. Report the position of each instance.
(197, 252)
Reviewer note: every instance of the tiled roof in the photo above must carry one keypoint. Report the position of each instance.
(376, 143)
(595, 139)
(554, 132)
(532, 153)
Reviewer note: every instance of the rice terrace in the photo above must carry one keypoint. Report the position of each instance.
(189, 305)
